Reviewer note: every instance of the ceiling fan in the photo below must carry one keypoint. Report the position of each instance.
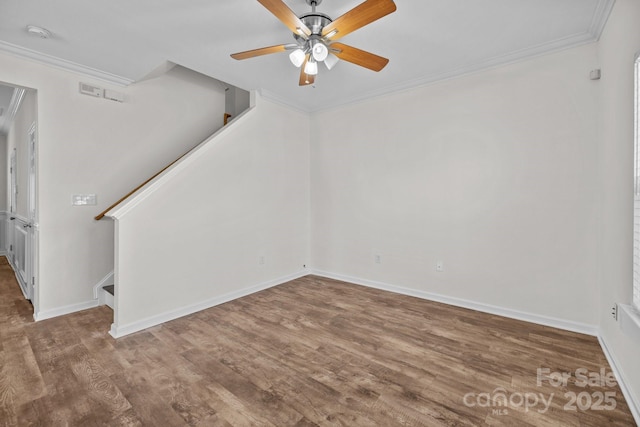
(315, 37)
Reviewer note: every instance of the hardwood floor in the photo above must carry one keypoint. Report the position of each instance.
(310, 352)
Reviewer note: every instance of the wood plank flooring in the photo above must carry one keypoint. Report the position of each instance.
(310, 352)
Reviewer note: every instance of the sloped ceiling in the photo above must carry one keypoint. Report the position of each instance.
(426, 40)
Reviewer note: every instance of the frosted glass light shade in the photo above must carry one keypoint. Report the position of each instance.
(319, 52)
(311, 68)
(297, 57)
(331, 60)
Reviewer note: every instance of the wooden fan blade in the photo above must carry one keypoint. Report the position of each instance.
(361, 15)
(359, 57)
(306, 79)
(286, 15)
(258, 52)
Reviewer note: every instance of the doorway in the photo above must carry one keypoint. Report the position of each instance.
(18, 179)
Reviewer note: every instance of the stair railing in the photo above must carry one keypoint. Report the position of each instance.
(125, 197)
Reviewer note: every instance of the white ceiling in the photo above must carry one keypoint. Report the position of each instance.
(425, 40)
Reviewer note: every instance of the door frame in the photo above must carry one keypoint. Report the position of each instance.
(21, 172)
(32, 209)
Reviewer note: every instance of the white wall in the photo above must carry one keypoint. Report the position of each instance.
(491, 173)
(201, 235)
(89, 145)
(617, 48)
(237, 100)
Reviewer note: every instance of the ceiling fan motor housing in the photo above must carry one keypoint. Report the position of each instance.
(314, 44)
(315, 22)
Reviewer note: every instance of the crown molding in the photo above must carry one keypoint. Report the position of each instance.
(495, 62)
(65, 65)
(600, 18)
(12, 110)
(16, 101)
(277, 99)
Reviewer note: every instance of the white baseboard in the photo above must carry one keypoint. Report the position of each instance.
(106, 280)
(61, 311)
(118, 331)
(632, 402)
(564, 324)
(68, 309)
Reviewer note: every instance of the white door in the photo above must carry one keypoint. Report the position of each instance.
(18, 234)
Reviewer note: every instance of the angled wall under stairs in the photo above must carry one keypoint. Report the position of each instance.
(228, 219)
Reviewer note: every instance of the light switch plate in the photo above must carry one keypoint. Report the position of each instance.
(84, 200)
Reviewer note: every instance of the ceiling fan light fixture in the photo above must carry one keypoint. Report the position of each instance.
(316, 36)
(319, 51)
(297, 57)
(311, 68)
(331, 60)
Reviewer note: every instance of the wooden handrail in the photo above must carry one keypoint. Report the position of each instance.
(102, 214)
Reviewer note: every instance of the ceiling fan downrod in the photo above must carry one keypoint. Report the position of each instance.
(313, 4)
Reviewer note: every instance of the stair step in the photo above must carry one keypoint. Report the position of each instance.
(110, 289)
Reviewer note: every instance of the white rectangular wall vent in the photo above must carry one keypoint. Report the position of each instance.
(90, 90)
(113, 95)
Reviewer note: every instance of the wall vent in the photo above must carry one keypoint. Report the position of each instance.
(94, 91)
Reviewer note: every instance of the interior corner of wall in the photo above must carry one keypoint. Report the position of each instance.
(160, 70)
(253, 98)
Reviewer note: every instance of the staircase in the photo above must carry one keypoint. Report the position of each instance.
(202, 198)
(107, 295)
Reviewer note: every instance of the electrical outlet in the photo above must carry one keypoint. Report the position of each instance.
(261, 260)
(376, 258)
(614, 312)
(439, 266)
